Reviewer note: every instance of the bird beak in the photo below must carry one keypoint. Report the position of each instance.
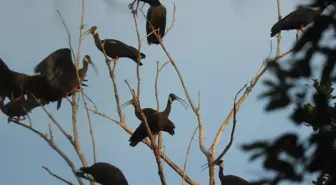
(87, 32)
(182, 102)
(93, 65)
(79, 173)
(127, 103)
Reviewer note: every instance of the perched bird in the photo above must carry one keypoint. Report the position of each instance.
(156, 17)
(157, 121)
(115, 49)
(18, 108)
(103, 173)
(297, 19)
(61, 73)
(229, 179)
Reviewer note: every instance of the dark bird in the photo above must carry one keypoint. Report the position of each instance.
(156, 17)
(157, 121)
(115, 49)
(61, 74)
(297, 19)
(18, 108)
(229, 179)
(103, 173)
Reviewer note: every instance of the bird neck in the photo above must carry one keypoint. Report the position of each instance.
(83, 70)
(168, 107)
(97, 40)
(221, 173)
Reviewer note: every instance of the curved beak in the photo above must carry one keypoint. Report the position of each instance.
(87, 32)
(127, 103)
(182, 102)
(93, 65)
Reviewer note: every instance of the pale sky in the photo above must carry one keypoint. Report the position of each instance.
(218, 46)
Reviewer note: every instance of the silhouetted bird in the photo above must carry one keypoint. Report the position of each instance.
(297, 19)
(229, 179)
(103, 173)
(157, 121)
(115, 48)
(61, 73)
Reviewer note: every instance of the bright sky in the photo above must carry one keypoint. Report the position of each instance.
(218, 46)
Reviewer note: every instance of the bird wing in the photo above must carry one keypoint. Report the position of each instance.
(58, 68)
(6, 78)
(120, 49)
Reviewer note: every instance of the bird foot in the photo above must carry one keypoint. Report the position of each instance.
(18, 98)
(70, 92)
(114, 59)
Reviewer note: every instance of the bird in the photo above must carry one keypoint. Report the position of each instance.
(297, 19)
(157, 121)
(229, 179)
(103, 173)
(156, 17)
(18, 108)
(61, 74)
(115, 49)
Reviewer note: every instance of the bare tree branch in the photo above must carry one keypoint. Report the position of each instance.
(145, 141)
(52, 145)
(228, 146)
(57, 176)
(139, 53)
(155, 149)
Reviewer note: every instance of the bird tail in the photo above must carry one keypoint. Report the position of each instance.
(139, 134)
(152, 39)
(3, 67)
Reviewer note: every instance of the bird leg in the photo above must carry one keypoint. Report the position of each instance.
(71, 91)
(297, 35)
(301, 29)
(114, 59)
(18, 98)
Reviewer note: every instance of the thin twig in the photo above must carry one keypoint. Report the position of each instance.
(57, 176)
(158, 70)
(91, 130)
(69, 37)
(279, 34)
(139, 54)
(187, 155)
(173, 21)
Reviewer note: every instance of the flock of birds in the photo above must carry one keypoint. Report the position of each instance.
(56, 78)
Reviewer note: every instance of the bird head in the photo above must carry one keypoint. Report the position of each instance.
(87, 60)
(93, 30)
(173, 97)
(83, 172)
(220, 163)
(132, 101)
